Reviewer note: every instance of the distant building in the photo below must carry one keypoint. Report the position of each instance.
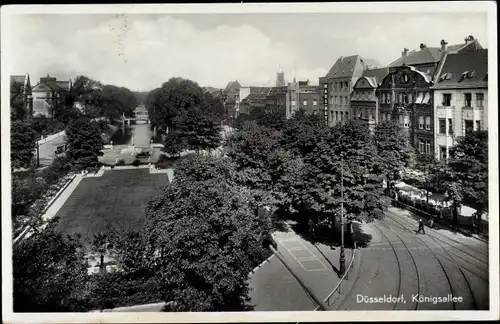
(336, 87)
(141, 112)
(364, 101)
(49, 93)
(460, 98)
(230, 96)
(292, 97)
(280, 79)
(21, 84)
(252, 98)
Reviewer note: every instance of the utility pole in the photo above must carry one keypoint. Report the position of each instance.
(37, 154)
(342, 250)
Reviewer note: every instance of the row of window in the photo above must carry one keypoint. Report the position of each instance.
(406, 97)
(424, 122)
(344, 115)
(448, 126)
(447, 97)
(305, 102)
(336, 86)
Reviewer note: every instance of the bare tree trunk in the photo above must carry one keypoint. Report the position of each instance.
(102, 263)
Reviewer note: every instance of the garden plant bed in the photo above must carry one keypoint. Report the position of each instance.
(117, 199)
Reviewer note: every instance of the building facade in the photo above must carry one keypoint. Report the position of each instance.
(48, 94)
(336, 87)
(20, 90)
(364, 100)
(460, 98)
(405, 95)
(230, 96)
(294, 96)
(253, 98)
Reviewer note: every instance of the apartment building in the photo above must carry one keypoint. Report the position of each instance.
(364, 100)
(336, 87)
(294, 96)
(405, 95)
(460, 98)
(252, 98)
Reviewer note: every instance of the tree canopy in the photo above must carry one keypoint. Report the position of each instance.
(22, 144)
(208, 235)
(84, 142)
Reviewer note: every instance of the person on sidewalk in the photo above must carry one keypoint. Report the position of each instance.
(431, 223)
(312, 229)
(421, 226)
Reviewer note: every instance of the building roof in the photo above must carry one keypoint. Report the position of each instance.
(432, 54)
(344, 67)
(48, 86)
(278, 90)
(371, 63)
(260, 90)
(375, 76)
(464, 70)
(253, 97)
(232, 85)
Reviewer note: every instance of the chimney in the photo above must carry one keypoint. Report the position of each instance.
(405, 52)
(469, 39)
(422, 46)
(443, 45)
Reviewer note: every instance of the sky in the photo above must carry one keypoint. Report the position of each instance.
(141, 51)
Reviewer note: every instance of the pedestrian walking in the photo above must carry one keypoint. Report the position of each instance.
(421, 226)
(312, 228)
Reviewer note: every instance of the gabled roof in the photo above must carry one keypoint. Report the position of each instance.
(344, 67)
(371, 63)
(375, 76)
(232, 85)
(425, 55)
(464, 70)
(252, 97)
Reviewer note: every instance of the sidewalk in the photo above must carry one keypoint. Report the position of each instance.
(275, 289)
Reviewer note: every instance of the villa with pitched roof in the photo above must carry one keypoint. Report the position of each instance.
(460, 98)
(48, 93)
(337, 86)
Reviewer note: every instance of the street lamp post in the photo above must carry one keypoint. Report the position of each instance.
(342, 249)
(37, 154)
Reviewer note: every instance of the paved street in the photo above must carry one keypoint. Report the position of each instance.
(47, 150)
(275, 289)
(436, 264)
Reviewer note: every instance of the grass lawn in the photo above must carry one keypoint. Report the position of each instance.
(117, 199)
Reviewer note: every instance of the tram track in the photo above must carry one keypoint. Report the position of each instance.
(472, 300)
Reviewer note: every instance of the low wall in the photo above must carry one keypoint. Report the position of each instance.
(51, 137)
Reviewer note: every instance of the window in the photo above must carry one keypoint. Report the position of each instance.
(346, 115)
(427, 147)
(340, 85)
(442, 153)
(469, 126)
(346, 85)
(421, 122)
(479, 99)
(315, 103)
(446, 99)
(336, 115)
(305, 102)
(468, 99)
(421, 146)
(388, 116)
(428, 122)
(325, 96)
(450, 126)
(478, 125)
(341, 115)
(325, 86)
(442, 126)
(406, 121)
(293, 103)
(405, 98)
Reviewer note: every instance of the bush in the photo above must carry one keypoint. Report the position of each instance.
(120, 162)
(136, 162)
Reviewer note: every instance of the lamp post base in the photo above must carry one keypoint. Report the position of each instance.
(342, 262)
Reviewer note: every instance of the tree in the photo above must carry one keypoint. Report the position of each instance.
(468, 166)
(85, 90)
(22, 144)
(84, 142)
(101, 245)
(301, 132)
(196, 130)
(346, 151)
(17, 100)
(49, 274)
(207, 232)
(393, 149)
(175, 95)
